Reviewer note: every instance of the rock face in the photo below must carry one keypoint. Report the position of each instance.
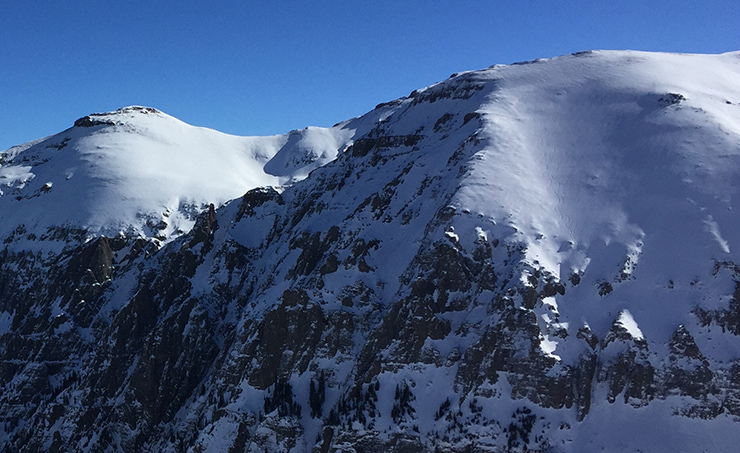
(529, 257)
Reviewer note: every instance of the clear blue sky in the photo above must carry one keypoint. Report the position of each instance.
(259, 68)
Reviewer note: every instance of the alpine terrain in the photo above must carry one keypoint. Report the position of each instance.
(540, 256)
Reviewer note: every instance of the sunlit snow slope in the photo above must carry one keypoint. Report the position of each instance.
(610, 164)
(138, 171)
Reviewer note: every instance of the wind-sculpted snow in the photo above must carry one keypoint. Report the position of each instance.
(539, 256)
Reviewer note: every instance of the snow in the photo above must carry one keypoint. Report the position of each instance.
(622, 428)
(560, 170)
(15, 177)
(6, 320)
(306, 150)
(594, 167)
(147, 174)
(713, 229)
(626, 320)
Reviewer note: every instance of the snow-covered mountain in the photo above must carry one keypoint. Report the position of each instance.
(140, 172)
(534, 256)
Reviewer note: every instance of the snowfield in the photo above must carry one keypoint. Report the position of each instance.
(140, 172)
(628, 171)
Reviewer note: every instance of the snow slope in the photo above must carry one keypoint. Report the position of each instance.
(138, 171)
(620, 166)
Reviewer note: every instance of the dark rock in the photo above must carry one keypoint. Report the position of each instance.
(295, 325)
(671, 99)
(442, 121)
(89, 121)
(205, 226)
(256, 198)
(470, 116)
(605, 288)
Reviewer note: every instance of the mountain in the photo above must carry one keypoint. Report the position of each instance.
(540, 256)
(140, 172)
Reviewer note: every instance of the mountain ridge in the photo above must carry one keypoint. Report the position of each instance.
(511, 259)
(138, 171)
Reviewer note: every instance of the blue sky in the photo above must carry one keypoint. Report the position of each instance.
(260, 68)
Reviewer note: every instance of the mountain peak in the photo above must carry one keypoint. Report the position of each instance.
(109, 118)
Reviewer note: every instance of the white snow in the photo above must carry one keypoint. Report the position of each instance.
(622, 167)
(15, 177)
(626, 320)
(592, 151)
(306, 150)
(713, 229)
(145, 169)
(548, 347)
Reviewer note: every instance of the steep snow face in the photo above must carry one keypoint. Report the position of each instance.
(620, 167)
(138, 171)
(531, 236)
